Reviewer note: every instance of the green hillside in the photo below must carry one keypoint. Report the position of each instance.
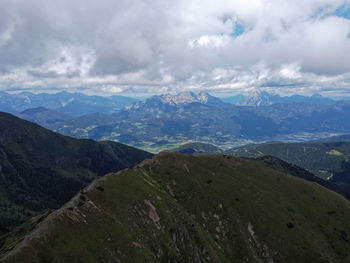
(185, 208)
(197, 148)
(40, 169)
(327, 160)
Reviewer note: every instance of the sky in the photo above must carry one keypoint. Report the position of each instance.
(143, 47)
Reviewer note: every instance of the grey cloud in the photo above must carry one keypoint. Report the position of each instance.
(155, 46)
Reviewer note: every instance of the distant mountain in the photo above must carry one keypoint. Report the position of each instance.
(314, 99)
(40, 169)
(197, 148)
(183, 208)
(167, 101)
(263, 98)
(83, 126)
(82, 104)
(77, 104)
(166, 121)
(45, 117)
(152, 126)
(156, 125)
(7, 103)
(55, 120)
(235, 100)
(338, 138)
(74, 104)
(260, 98)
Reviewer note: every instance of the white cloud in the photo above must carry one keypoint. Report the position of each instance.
(143, 46)
(6, 35)
(210, 41)
(291, 71)
(69, 61)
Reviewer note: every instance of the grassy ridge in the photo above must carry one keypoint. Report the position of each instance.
(197, 148)
(182, 208)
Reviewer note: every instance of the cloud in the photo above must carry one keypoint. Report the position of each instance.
(155, 46)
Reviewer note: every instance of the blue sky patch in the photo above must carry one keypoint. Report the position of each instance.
(343, 11)
(238, 30)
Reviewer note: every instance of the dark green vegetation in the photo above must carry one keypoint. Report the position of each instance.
(326, 160)
(197, 148)
(40, 169)
(13, 238)
(330, 161)
(185, 208)
(284, 167)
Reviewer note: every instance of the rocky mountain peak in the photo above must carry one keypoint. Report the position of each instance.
(180, 98)
(260, 98)
(176, 100)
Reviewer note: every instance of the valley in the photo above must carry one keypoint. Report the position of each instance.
(167, 121)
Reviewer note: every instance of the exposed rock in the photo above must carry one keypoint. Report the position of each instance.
(153, 214)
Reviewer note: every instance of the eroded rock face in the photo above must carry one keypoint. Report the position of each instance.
(153, 214)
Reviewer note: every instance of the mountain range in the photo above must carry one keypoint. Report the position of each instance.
(77, 104)
(263, 98)
(74, 104)
(174, 101)
(167, 121)
(164, 122)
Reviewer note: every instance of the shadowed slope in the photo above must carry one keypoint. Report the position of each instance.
(40, 169)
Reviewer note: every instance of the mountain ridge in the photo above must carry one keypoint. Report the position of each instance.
(195, 209)
(74, 104)
(327, 160)
(263, 98)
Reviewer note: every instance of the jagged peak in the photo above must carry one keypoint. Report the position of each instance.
(179, 99)
(259, 98)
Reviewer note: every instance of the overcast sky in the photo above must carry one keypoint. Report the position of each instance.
(158, 46)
